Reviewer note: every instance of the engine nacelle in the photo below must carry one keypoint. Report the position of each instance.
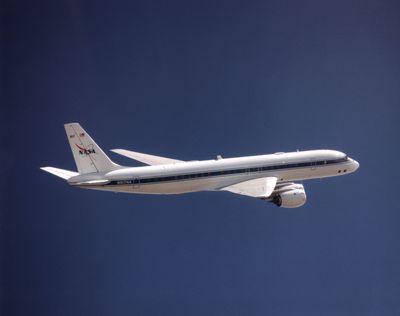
(290, 196)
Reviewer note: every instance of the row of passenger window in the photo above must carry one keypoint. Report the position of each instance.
(224, 172)
(196, 175)
(237, 171)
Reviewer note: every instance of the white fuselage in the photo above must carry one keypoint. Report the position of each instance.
(204, 175)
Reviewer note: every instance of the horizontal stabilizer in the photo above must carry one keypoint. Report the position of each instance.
(146, 158)
(65, 174)
(258, 188)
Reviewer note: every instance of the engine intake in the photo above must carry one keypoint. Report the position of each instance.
(290, 196)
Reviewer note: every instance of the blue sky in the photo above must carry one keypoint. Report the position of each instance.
(191, 80)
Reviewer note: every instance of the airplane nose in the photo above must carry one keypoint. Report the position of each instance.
(356, 165)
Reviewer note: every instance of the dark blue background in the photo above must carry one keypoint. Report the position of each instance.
(190, 80)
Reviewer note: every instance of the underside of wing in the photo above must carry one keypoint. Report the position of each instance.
(258, 188)
(146, 158)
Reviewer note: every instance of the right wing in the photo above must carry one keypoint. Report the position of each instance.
(258, 188)
(146, 158)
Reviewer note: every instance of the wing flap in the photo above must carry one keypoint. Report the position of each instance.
(146, 158)
(258, 188)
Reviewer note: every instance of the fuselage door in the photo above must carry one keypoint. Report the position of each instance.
(313, 164)
(136, 183)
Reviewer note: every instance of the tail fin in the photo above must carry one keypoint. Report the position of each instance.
(87, 154)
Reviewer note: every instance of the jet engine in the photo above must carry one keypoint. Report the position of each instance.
(289, 196)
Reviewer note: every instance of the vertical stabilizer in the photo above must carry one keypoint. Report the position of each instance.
(87, 154)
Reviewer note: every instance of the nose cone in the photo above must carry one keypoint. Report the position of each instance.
(355, 165)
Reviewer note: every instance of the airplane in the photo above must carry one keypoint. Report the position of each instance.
(266, 177)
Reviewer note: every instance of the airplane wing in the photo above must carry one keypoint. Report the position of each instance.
(145, 158)
(258, 188)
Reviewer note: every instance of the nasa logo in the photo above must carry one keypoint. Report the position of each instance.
(85, 151)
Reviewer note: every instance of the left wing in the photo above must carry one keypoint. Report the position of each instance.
(145, 158)
(258, 188)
